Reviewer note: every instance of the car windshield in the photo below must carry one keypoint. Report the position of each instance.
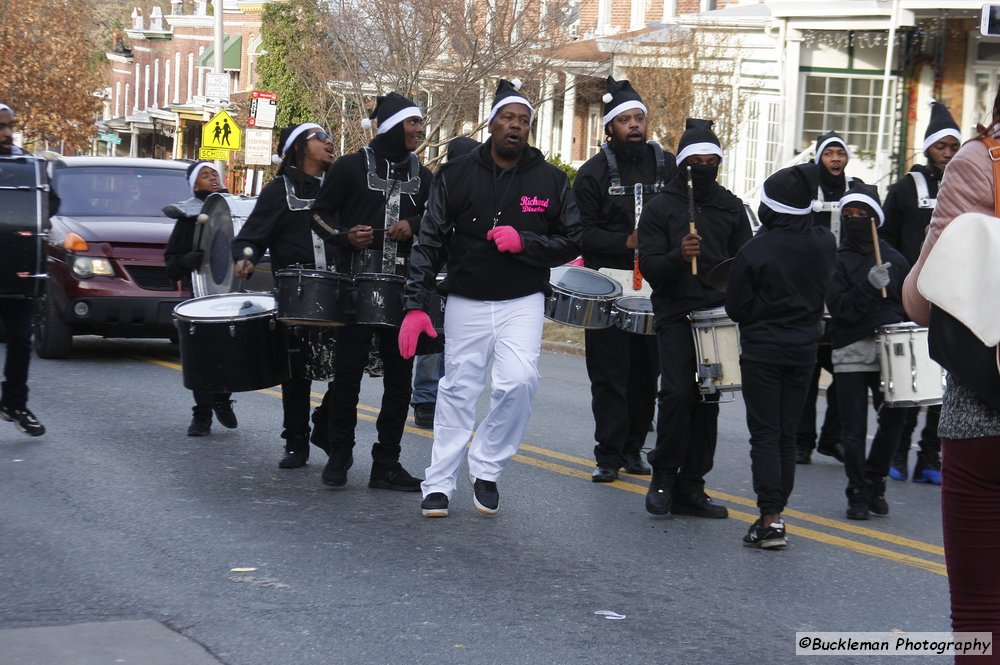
(118, 191)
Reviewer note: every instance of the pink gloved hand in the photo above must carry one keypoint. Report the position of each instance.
(415, 322)
(506, 238)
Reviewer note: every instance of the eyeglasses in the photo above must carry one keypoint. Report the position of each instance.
(322, 136)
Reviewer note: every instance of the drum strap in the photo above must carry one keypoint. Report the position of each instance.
(392, 189)
(295, 204)
(924, 200)
(833, 207)
(616, 188)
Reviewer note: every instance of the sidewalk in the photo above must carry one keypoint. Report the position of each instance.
(141, 642)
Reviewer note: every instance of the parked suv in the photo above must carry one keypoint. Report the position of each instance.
(105, 252)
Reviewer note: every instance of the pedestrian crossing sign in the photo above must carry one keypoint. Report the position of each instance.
(221, 132)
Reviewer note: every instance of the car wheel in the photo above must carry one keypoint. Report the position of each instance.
(53, 338)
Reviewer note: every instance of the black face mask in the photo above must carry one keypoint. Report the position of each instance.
(703, 179)
(857, 233)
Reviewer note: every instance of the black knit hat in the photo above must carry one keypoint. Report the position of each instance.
(508, 92)
(195, 169)
(790, 191)
(620, 97)
(461, 146)
(942, 125)
(865, 197)
(824, 141)
(698, 139)
(390, 110)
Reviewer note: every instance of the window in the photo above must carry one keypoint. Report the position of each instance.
(845, 104)
(595, 131)
(761, 138)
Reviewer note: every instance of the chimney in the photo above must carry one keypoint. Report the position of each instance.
(137, 21)
(156, 19)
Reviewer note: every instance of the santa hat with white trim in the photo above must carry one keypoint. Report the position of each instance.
(941, 126)
(864, 197)
(509, 92)
(620, 97)
(287, 137)
(389, 111)
(698, 139)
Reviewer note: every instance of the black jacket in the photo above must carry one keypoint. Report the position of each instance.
(467, 195)
(181, 242)
(776, 289)
(832, 188)
(857, 308)
(346, 201)
(272, 225)
(724, 228)
(905, 222)
(608, 220)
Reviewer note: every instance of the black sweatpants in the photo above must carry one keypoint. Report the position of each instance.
(829, 433)
(930, 444)
(687, 422)
(16, 316)
(774, 396)
(622, 367)
(353, 343)
(852, 396)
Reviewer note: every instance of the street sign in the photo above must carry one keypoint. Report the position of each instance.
(216, 89)
(212, 154)
(221, 132)
(258, 147)
(263, 109)
(109, 138)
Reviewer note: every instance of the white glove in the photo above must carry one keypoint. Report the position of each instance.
(878, 276)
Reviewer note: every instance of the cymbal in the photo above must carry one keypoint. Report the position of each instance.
(719, 276)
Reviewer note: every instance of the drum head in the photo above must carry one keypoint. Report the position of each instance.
(709, 314)
(225, 216)
(584, 281)
(634, 304)
(225, 307)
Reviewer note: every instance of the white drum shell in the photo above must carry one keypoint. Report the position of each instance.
(909, 376)
(717, 350)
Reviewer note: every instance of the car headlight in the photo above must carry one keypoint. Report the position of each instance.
(85, 267)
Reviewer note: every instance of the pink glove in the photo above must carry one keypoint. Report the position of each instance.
(415, 322)
(578, 261)
(506, 238)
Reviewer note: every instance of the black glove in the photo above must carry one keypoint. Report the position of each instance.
(191, 260)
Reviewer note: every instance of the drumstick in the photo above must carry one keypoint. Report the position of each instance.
(691, 229)
(878, 252)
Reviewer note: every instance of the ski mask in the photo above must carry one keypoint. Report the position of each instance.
(855, 228)
(699, 139)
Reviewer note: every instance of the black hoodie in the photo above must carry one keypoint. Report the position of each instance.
(724, 228)
(466, 195)
(346, 201)
(182, 241)
(776, 289)
(608, 220)
(905, 222)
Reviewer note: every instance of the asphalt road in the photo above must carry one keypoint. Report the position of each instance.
(116, 516)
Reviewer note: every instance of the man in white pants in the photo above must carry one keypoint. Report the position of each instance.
(502, 216)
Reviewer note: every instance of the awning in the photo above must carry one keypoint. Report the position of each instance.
(232, 54)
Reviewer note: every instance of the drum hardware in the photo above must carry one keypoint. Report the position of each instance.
(717, 351)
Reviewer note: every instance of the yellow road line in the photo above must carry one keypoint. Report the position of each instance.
(370, 414)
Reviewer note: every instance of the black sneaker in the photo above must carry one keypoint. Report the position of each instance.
(858, 505)
(423, 415)
(834, 450)
(803, 456)
(394, 478)
(224, 413)
(698, 505)
(766, 537)
(660, 494)
(485, 495)
(200, 426)
(877, 503)
(24, 419)
(434, 504)
(632, 463)
(335, 471)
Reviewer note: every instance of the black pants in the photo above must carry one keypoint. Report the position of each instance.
(204, 399)
(852, 396)
(622, 367)
(687, 423)
(16, 316)
(930, 444)
(296, 403)
(774, 396)
(829, 434)
(353, 343)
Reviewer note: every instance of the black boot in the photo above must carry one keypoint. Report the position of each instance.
(201, 421)
(335, 471)
(296, 452)
(878, 505)
(392, 477)
(858, 503)
(224, 413)
(660, 494)
(632, 463)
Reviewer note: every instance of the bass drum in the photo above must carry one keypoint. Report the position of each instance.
(231, 343)
(24, 220)
(225, 215)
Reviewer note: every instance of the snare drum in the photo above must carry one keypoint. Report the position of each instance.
(634, 314)
(308, 297)
(582, 298)
(717, 350)
(379, 300)
(909, 376)
(231, 343)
